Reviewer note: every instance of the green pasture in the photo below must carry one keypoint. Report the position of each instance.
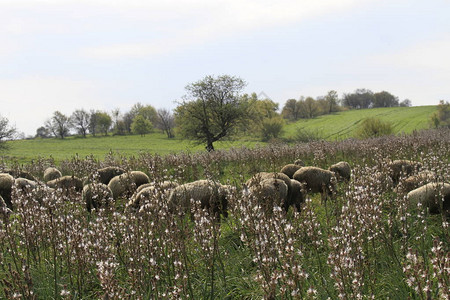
(100, 146)
(342, 125)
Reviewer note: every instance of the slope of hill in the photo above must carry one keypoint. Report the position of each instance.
(342, 125)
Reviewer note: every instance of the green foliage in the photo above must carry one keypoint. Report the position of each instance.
(212, 110)
(442, 116)
(373, 127)
(271, 128)
(59, 125)
(141, 125)
(303, 135)
(385, 99)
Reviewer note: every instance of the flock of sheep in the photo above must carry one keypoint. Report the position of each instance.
(285, 188)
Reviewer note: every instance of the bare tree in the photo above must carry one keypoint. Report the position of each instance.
(166, 122)
(7, 132)
(80, 120)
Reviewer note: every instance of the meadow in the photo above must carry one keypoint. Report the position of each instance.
(366, 242)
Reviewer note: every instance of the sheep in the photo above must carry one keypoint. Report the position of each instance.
(106, 174)
(4, 209)
(297, 196)
(127, 183)
(299, 162)
(290, 169)
(403, 167)
(24, 184)
(294, 194)
(316, 180)
(51, 174)
(414, 181)
(431, 195)
(6, 182)
(342, 170)
(270, 191)
(66, 183)
(211, 195)
(96, 195)
(148, 190)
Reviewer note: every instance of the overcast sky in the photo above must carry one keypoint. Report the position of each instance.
(107, 54)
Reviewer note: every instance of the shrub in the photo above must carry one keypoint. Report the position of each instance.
(272, 128)
(373, 127)
(304, 135)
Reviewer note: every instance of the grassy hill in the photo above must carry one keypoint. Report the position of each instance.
(342, 125)
(330, 127)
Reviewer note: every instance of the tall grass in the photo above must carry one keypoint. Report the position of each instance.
(366, 242)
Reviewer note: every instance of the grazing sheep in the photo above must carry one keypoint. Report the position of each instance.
(106, 174)
(342, 170)
(299, 162)
(6, 182)
(431, 195)
(211, 195)
(66, 183)
(290, 169)
(148, 190)
(414, 181)
(297, 196)
(127, 183)
(270, 191)
(294, 194)
(96, 195)
(51, 174)
(24, 184)
(316, 180)
(258, 177)
(4, 209)
(403, 168)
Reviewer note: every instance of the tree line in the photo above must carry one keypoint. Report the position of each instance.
(140, 119)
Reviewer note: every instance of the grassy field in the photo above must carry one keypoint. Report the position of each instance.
(330, 127)
(342, 125)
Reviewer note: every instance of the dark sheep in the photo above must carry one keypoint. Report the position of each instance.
(290, 169)
(66, 183)
(96, 195)
(127, 183)
(6, 183)
(316, 180)
(51, 174)
(403, 168)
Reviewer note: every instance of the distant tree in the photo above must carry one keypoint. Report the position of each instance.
(310, 108)
(104, 122)
(441, 118)
(141, 125)
(7, 132)
(212, 109)
(59, 125)
(272, 128)
(166, 122)
(263, 119)
(361, 98)
(42, 132)
(291, 110)
(384, 99)
(80, 121)
(332, 100)
(147, 111)
(100, 122)
(127, 121)
(405, 103)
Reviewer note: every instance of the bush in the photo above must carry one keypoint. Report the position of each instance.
(441, 118)
(272, 128)
(304, 135)
(373, 127)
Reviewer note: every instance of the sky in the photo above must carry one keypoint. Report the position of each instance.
(108, 54)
